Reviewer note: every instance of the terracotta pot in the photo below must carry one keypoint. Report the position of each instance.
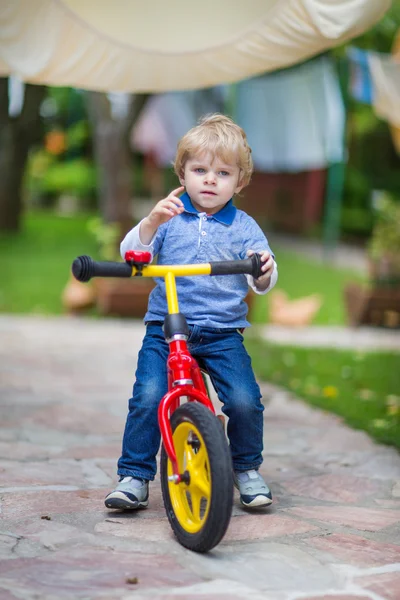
(385, 270)
(378, 305)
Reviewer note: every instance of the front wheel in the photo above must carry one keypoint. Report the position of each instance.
(199, 508)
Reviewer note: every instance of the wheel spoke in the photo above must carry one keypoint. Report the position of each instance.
(198, 459)
(195, 498)
(203, 485)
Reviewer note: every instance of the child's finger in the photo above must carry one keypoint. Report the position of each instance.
(268, 265)
(173, 206)
(176, 200)
(265, 256)
(177, 191)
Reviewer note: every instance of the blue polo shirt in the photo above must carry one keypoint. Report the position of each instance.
(195, 237)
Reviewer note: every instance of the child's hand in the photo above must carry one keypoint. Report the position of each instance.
(162, 212)
(167, 208)
(267, 269)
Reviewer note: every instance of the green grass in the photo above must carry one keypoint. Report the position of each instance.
(35, 264)
(363, 388)
(300, 276)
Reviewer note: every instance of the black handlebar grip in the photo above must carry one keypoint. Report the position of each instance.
(257, 264)
(84, 268)
(249, 266)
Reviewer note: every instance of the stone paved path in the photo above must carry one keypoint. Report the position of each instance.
(333, 531)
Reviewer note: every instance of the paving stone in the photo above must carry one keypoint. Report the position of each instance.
(385, 585)
(364, 519)
(51, 534)
(263, 526)
(396, 490)
(15, 505)
(380, 465)
(97, 451)
(268, 565)
(219, 589)
(51, 472)
(21, 451)
(388, 503)
(340, 439)
(82, 419)
(356, 550)
(335, 597)
(333, 487)
(90, 572)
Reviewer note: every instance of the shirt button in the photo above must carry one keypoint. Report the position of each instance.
(203, 233)
(204, 218)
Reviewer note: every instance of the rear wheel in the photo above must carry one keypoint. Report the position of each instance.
(198, 508)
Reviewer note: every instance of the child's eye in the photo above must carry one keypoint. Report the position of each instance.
(199, 170)
(224, 173)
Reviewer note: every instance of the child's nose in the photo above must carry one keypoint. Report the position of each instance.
(210, 177)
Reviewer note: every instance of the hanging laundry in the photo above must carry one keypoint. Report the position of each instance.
(394, 130)
(385, 73)
(375, 79)
(295, 118)
(360, 84)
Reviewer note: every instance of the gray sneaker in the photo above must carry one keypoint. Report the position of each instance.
(130, 493)
(254, 492)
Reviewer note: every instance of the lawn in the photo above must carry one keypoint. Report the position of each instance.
(300, 276)
(35, 266)
(363, 388)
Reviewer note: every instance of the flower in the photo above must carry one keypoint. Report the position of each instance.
(393, 405)
(330, 391)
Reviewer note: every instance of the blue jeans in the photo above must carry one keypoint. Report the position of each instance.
(224, 356)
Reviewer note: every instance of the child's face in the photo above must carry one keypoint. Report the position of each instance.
(210, 182)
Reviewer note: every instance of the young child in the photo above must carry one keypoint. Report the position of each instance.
(213, 163)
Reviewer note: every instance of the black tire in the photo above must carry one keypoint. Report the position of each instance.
(219, 473)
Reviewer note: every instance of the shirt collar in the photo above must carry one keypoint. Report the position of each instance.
(226, 215)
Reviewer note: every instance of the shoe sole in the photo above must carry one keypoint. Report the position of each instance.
(122, 502)
(257, 502)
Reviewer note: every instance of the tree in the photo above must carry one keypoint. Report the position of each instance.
(113, 156)
(17, 135)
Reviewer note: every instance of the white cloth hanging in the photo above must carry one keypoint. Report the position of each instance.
(295, 118)
(134, 46)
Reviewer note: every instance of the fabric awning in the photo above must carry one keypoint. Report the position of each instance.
(138, 46)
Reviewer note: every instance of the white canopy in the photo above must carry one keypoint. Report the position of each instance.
(159, 45)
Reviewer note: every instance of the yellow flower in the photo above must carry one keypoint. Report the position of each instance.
(393, 405)
(330, 391)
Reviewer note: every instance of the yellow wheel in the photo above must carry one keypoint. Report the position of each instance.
(199, 507)
(190, 500)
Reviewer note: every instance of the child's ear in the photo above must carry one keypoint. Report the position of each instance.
(239, 188)
(182, 180)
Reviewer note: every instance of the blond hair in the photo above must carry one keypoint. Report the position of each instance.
(220, 136)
